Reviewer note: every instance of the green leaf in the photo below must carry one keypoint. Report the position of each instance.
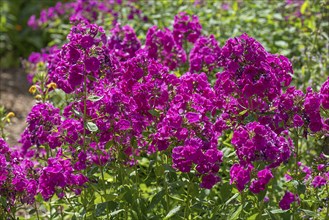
(156, 199)
(3, 201)
(232, 198)
(281, 43)
(261, 195)
(92, 126)
(278, 211)
(271, 215)
(235, 6)
(309, 212)
(176, 198)
(325, 155)
(301, 188)
(100, 209)
(304, 7)
(154, 112)
(159, 170)
(79, 114)
(95, 98)
(172, 212)
(236, 213)
(116, 212)
(253, 217)
(243, 112)
(133, 142)
(249, 118)
(32, 211)
(91, 78)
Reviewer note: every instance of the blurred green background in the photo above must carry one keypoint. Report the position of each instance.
(297, 29)
(17, 40)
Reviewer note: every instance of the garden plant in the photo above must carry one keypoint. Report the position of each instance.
(192, 113)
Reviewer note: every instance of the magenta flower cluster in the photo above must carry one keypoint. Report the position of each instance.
(140, 100)
(85, 11)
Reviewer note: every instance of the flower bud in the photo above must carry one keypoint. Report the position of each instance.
(38, 97)
(10, 115)
(33, 89)
(52, 85)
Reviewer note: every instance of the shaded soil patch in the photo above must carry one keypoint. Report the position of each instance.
(14, 96)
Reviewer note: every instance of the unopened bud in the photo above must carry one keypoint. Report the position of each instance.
(9, 116)
(52, 85)
(32, 89)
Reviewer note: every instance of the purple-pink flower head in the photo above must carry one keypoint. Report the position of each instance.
(33, 22)
(240, 175)
(59, 175)
(204, 55)
(161, 45)
(86, 42)
(123, 42)
(73, 55)
(4, 147)
(264, 176)
(319, 181)
(287, 199)
(92, 64)
(251, 75)
(312, 109)
(209, 180)
(325, 94)
(186, 28)
(42, 119)
(256, 142)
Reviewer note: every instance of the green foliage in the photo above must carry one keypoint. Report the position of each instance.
(17, 40)
(153, 189)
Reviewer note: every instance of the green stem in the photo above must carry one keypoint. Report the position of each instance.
(157, 179)
(84, 132)
(104, 188)
(187, 207)
(13, 213)
(243, 201)
(50, 208)
(62, 212)
(84, 112)
(103, 181)
(166, 186)
(137, 187)
(122, 174)
(327, 215)
(36, 210)
(296, 150)
(2, 133)
(70, 204)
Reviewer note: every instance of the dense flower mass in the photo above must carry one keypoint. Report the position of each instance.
(264, 176)
(58, 175)
(123, 42)
(205, 55)
(251, 78)
(287, 199)
(186, 28)
(256, 142)
(160, 44)
(125, 100)
(42, 121)
(85, 11)
(240, 175)
(17, 178)
(79, 58)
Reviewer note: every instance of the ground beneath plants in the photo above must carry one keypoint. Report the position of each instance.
(15, 97)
